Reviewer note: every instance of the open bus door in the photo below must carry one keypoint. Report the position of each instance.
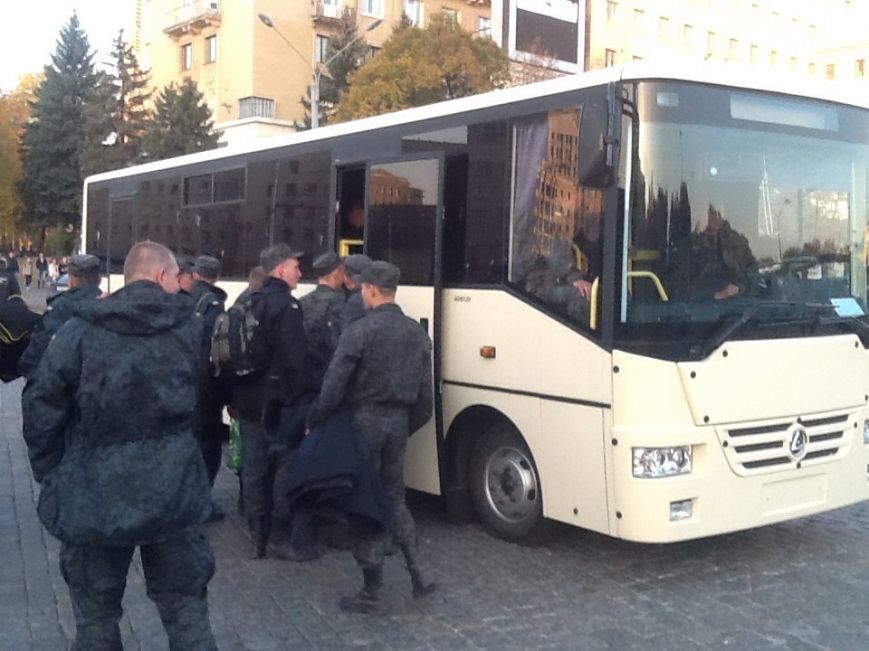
(403, 224)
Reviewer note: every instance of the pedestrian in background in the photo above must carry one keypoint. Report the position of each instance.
(27, 267)
(41, 270)
(382, 370)
(108, 426)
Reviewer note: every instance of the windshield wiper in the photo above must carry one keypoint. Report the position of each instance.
(725, 331)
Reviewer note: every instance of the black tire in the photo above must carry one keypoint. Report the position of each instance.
(505, 487)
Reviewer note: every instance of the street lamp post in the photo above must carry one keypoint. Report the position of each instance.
(315, 85)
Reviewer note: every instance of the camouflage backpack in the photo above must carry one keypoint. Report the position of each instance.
(237, 349)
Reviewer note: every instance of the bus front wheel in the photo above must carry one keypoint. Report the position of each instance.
(505, 486)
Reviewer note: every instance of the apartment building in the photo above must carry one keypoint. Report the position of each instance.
(252, 75)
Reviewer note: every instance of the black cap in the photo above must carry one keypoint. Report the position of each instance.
(207, 266)
(355, 264)
(82, 263)
(275, 255)
(185, 265)
(326, 264)
(381, 274)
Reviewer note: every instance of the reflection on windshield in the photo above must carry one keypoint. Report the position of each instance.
(727, 217)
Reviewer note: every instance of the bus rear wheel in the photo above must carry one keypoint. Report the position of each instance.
(505, 486)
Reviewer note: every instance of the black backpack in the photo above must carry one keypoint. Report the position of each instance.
(237, 349)
(16, 323)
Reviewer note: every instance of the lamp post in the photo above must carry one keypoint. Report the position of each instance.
(315, 85)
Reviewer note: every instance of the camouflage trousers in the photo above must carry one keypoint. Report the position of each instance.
(383, 430)
(177, 572)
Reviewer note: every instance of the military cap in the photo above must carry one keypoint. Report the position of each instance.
(355, 264)
(207, 266)
(326, 264)
(381, 274)
(185, 265)
(82, 263)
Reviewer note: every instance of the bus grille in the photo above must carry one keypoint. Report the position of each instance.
(764, 448)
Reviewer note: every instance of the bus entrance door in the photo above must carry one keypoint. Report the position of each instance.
(403, 226)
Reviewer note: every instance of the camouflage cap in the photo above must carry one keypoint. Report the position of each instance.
(355, 264)
(185, 265)
(207, 266)
(82, 263)
(326, 264)
(381, 274)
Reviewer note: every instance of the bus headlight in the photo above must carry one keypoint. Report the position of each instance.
(662, 462)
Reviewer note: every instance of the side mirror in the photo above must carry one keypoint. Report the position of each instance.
(594, 167)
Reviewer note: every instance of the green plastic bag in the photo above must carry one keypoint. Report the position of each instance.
(235, 452)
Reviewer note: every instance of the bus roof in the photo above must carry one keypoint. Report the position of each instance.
(712, 73)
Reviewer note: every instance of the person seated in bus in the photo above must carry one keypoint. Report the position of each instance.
(353, 222)
(556, 281)
(713, 264)
(587, 242)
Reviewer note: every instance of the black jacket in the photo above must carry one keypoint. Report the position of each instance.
(9, 285)
(108, 421)
(212, 392)
(330, 474)
(281, 325)
(60, 309)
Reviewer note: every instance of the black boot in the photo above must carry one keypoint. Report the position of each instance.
(420, 587)
(258, 545)
(367, 600)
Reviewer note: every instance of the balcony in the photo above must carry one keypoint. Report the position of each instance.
(331, 12)
(192, 17)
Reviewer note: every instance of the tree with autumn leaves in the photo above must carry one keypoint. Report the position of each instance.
(422, 66)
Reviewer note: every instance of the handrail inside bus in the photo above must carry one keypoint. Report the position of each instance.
(662, 293)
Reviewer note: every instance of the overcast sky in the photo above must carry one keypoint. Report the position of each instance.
(29, 31)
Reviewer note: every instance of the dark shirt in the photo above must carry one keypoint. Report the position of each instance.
(384, 357)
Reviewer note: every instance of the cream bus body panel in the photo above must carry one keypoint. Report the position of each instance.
(566, 439)
(651, 409)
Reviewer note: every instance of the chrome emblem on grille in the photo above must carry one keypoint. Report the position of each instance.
(798, 438)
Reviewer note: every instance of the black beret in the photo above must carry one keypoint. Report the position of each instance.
(381, 274)
(207, 267)
(83, 263)
(355, 264)
(326, 264)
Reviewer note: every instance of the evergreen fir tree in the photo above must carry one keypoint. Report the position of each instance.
(54, 138)
(333, 83)
(182, 123)
(117, 115)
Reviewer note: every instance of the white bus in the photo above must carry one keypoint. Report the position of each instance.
(646, 287)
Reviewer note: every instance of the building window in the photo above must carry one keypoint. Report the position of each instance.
(484, 26)
(773, 58)
(752, 54)
(687, 32)
(211, 49)
(639, 17)
(732, 48)
(710, 43)
(609, 58)
(452, 14)
(831, 71)
(611, 7)
(373, 8)
(187, 57)
(811, 68)
(860, 68)
(413, 11)
(256, 107)
(321, 48)
(372, 52)
(813, 32)
(637, 57)
(794, 63)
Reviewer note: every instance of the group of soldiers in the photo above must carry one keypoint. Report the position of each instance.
(123, 423)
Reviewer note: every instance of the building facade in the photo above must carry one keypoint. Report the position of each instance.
(254, 76)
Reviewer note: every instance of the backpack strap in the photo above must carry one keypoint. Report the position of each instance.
(203, 300)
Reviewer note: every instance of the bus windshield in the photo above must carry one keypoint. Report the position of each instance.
(742, 207)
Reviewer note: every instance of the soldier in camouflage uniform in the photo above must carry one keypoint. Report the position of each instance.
(108, 426)
(320, 311)
(84, 286)
(382, 370)
(211, 395)
(353, 308)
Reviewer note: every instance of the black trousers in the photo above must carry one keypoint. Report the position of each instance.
(177, 572)
(261, 463)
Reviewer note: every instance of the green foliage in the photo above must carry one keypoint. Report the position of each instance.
(182, 123)
(422, 66)
(54, 138)
(335, 83)
(117, 114)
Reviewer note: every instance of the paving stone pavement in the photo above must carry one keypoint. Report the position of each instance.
(802, 585)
